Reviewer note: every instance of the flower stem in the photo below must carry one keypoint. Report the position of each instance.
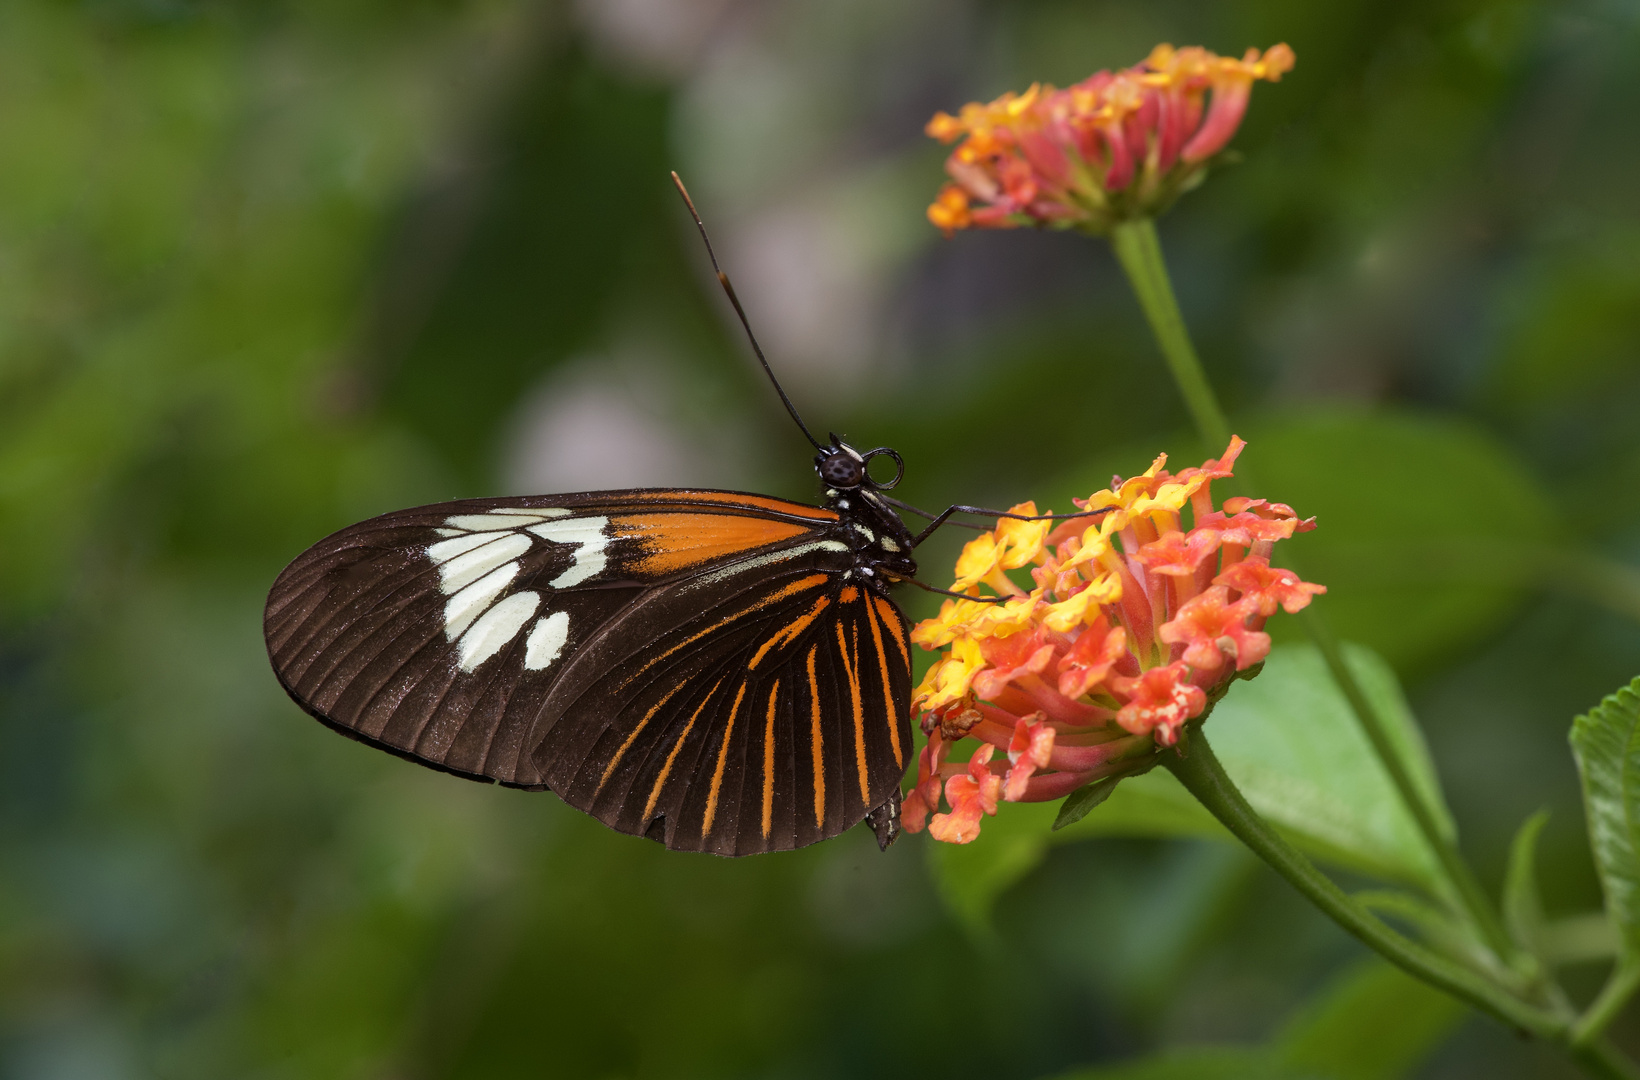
(1140, 254)
(1198, 769)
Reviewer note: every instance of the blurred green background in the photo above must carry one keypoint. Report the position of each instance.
(268, 268)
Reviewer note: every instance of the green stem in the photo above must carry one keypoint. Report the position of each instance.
(1624, 980)
(1140, 254)
(1198, 769)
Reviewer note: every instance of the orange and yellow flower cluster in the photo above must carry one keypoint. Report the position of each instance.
(1113, 147)
(1134, 624)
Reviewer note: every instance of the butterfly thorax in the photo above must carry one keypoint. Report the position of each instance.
(874, 532)
(879, 540)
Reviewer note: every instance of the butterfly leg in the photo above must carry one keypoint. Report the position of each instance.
(942, 518)
(936, 520)
(885, 821)
(925, 587)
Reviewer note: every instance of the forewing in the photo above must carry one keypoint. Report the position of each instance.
(773, 713)
(439, 633)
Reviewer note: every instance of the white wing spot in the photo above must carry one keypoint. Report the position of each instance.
(445, 550)
(546, 640)
(468, 567)
(591, 544)
(468, 604)
(477, 560)
(498, 626)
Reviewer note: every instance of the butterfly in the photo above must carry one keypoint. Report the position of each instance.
(715, 670)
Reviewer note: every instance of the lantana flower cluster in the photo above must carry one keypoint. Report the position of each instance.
(1133, 626)
(1115, 146)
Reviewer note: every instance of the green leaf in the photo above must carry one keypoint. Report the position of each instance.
(1522, 908)
(1290, 741)
(1079, 802)
(1375, 1023)
(1606, 743)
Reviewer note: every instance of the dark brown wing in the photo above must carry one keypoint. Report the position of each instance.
(439, 633)
(770, 713)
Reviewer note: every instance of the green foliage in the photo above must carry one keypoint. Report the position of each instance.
(1606, 741)
(1079, 803)
(1522, 905)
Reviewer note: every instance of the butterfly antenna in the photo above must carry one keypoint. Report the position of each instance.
(723, 279)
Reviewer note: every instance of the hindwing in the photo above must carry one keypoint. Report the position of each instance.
(773, 713)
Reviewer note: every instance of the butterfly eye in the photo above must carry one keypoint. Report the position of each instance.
(841, 469)
(899, 468)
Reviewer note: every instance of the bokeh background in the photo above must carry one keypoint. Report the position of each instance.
(268, 268)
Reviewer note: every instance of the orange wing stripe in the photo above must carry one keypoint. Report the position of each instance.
(677, 542)
(888, 687)
(723, 755)
(859, 712)
(817, 739)
(660, 781)
(800, 585)
(790, 631)
(891, 620)
(648, 716)
(728, 498)
(768, 761)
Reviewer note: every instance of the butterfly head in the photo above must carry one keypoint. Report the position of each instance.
(844, 468)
